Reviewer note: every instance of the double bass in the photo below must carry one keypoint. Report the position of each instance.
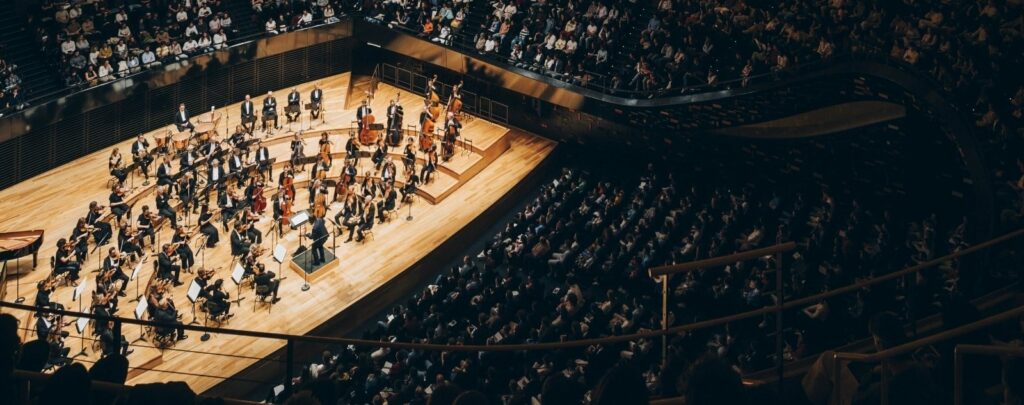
(367, 135)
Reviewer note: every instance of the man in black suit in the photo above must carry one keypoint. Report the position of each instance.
(315, 98)
(140, 155)
(248, 115)
(319, 237)
(166, 267)
(113, 263)
(235, 165)
(166, 313)
(270, 110)
(228, 208)
(181, 119)
(362, 112)
(294, 108)
(239, 241)
(164, 173)
(215, 175)
(264, 280)
(263, 159)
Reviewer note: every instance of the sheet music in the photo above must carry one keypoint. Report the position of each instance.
(141, 308)
(78, 290)
(193, 291)
(237, 273)
(138, 268)
(80, 325)
(299, 218)
(279, 253)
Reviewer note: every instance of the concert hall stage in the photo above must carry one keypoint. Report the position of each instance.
(477, 178)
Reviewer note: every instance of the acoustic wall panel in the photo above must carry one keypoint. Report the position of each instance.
(243, 80)
(129, 116)
(36, 153)
(218, 89)
(268, 74)
(69, 140)
(102, 128)
(9, 162)
(293, 69)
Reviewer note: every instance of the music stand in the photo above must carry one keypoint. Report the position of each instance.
(80, 326)
(236, 276)
(193, 295)
(140, 309)
(135, 276)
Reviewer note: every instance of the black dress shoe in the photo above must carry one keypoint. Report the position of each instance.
(275, 300)
(183, 337)
(178, 283)
(122, 294)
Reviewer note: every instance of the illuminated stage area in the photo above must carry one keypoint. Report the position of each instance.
(478, 175)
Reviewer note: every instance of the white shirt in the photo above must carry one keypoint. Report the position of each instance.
(68, 46)
(104, 71)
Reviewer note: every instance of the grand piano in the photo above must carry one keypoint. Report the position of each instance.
(19, 244)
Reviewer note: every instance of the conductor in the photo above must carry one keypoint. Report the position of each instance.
(319, 236)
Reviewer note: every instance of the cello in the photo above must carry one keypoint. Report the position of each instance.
(259, 201)
(325, 148)
(286, 211)
(320, 201)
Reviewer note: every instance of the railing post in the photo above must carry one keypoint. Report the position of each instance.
(885, 382)
(779, 341)
(116, 330)
(664, 320)
(289, 367)
(958, 369)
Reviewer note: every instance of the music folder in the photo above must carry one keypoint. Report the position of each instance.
(237, 273)
(141, 308)
(80, 324)
(279, 253)
(193, 291)
(78, 290)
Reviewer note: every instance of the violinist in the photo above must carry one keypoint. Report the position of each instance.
(167, 264)
(50, 328)
(263, 159)
(203, 280)
(128, 240)
(348, 216)
(187, 192)
(164, 173)
(180, 241)
(103, 230)
(166, 312)
(205, 224)
(249, 218)
(64, 262)
(80, 238)
(325, 148)
(380, 154)
(140, 155)
(210, 149)
(367, 220)
(108, 343)
(229, 204)
(368, 187)
(388, 203)
(266, 281)
(105, 287)
(217, 303)
(237, 139)
(431, 166)
(409, 158)
(116, 201)
(116, 165)
(294, 107)
(362, 112)
(411, 182)
(44, 288)
(270, 111)
(145, 223)
(351, 148)
(296, 146)
(388, 172)
(239, 240)
(113, 266)
(316, 100)
(163, 205)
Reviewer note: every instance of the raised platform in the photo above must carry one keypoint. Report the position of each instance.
(302, 264)
(463, 190)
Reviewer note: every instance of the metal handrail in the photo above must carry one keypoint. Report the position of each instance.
(984, 350)
(887, 354)
(108, 387)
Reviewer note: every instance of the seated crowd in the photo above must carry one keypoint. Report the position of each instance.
(92, 43)
(278, 17)
(11, 97)
(573, 265)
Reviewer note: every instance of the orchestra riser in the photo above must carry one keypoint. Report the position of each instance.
(53, 200)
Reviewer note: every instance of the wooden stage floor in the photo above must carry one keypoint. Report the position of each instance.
(467, 187)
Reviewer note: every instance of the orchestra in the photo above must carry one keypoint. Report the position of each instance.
(364, 195)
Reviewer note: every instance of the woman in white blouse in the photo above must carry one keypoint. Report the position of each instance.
(220, 39)
(205, 43)
(105, 71)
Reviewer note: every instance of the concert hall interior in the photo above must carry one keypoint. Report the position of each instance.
(511, 202)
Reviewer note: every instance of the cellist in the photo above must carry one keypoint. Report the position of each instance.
(325, 148)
